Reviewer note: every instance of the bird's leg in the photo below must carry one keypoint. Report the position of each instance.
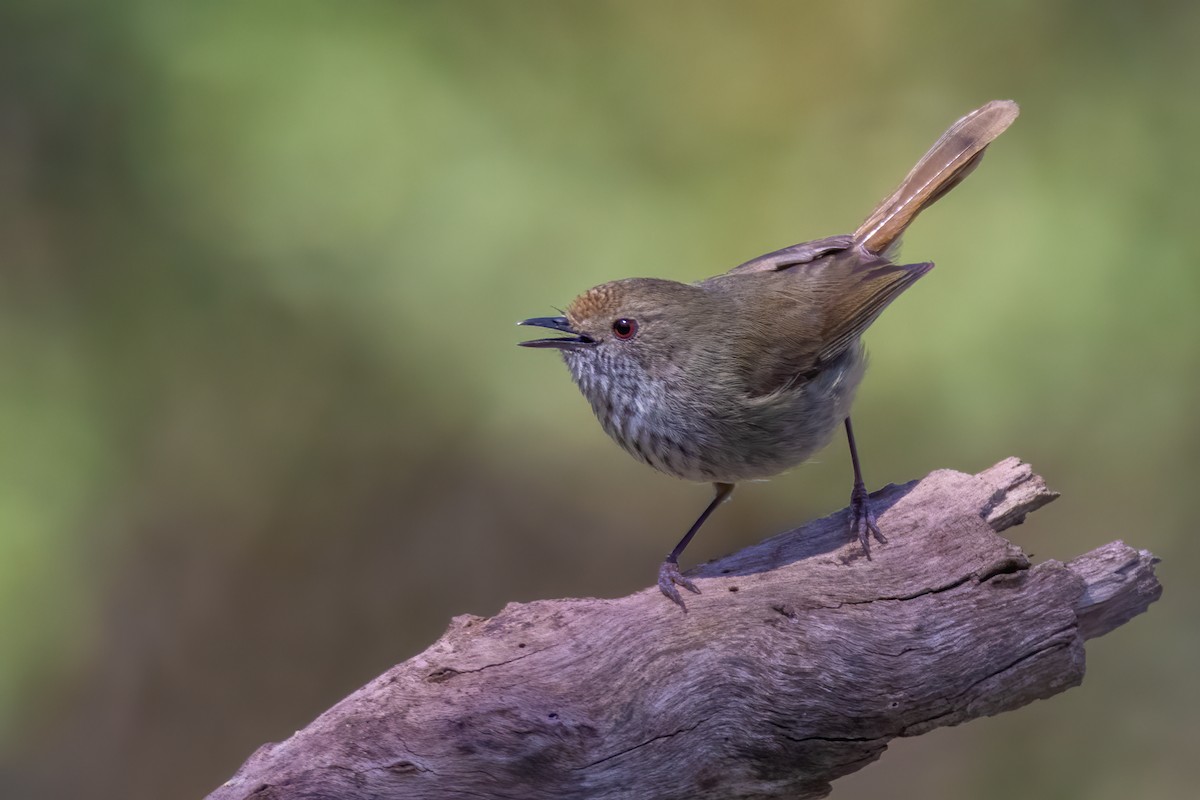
(862, 521)
(668, 574)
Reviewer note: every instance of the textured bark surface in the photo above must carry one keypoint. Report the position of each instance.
(797, 665)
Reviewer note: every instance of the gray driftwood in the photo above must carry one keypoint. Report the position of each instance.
(797, 665)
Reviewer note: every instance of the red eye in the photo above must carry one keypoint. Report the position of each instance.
(625, 328)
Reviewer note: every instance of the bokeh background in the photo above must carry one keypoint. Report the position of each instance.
(264, 428)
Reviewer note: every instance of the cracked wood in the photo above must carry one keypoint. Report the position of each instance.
(797, 665)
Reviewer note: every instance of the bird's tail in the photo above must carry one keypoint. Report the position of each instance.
(951, 159)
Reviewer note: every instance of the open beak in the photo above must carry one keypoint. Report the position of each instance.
(560, 324)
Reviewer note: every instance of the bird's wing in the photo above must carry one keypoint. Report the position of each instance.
(871, 286)
(801, 320)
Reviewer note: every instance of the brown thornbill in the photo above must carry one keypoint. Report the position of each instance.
(746, 374)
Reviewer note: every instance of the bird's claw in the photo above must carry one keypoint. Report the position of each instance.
(862, 520)
(668, 578)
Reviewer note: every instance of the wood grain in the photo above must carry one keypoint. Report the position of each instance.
(797, 665)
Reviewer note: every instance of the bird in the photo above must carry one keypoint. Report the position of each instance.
(744, 375)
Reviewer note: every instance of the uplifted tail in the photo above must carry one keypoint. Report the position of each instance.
(950, 160)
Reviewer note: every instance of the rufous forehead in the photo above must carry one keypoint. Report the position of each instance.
(595, 302)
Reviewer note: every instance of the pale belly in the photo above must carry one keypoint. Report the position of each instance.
(748, 440)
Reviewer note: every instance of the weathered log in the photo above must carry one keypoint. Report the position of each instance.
(797, 665)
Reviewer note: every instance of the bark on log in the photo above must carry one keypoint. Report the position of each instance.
(797, 665)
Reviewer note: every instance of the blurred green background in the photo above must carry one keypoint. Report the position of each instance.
(264, 429)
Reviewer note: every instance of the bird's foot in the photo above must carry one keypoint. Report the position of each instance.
(862, 519)
(669, 577)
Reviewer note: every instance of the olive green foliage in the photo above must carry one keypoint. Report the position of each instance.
(264, 429)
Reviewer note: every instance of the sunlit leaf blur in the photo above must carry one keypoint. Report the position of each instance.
(264, 429)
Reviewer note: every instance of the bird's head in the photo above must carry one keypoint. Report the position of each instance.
(640, 323)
